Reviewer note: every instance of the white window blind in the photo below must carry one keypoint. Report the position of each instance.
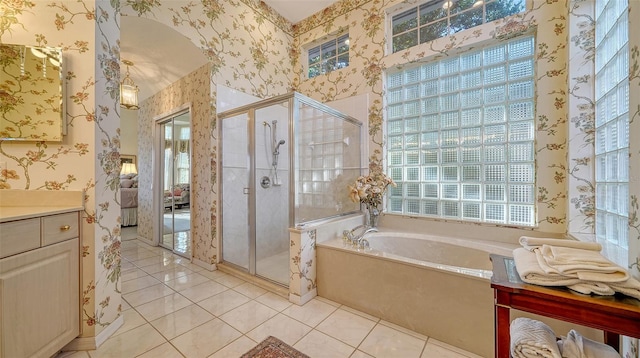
(460, 136)
(612, 121)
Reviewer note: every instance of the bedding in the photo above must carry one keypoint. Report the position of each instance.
(129, 199)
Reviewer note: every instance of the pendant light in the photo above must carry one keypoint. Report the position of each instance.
(128, 90)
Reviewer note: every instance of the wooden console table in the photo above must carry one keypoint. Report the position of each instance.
(615, 315)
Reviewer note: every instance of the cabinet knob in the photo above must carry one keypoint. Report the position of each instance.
(65, 228)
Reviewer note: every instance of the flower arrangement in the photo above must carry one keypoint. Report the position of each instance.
(370, 189)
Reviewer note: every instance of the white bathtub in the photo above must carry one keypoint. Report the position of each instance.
(437, 286)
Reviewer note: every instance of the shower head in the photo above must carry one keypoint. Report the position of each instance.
(275, 151)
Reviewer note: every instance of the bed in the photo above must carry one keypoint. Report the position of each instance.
(129, 200)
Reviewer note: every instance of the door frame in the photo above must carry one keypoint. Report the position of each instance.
(156, 179)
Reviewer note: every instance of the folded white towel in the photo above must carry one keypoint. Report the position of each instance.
(597, 288)
(528, 264)
(531, 338)
(531, 272)
(587, 265)
(531, 243)
(630, 287)
(577, 346)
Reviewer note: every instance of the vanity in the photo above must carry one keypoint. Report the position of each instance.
(40, 270)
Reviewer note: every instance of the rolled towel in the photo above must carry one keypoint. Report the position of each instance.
(587, 265)
(531, 243)
(531, 338)
(531, 272)
(577, 346)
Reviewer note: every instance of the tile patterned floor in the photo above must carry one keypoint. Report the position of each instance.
(173, 308)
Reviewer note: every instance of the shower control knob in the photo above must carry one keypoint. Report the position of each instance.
(265, 182)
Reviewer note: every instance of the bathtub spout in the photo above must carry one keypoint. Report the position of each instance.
(361, 241)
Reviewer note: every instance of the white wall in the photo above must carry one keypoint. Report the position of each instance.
(129, 132)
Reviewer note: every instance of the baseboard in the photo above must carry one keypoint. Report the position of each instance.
(301, 300)
(91, 343)
(210, 267)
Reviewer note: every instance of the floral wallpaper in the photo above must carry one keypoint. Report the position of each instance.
(248, 47)
(302, 267)
(254, 50)
(192, 91)
(369, 58)
(88, 156)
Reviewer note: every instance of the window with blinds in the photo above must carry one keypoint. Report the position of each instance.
(460, 136)
(612, 121)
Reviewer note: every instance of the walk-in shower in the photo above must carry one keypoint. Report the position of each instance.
(286, 161)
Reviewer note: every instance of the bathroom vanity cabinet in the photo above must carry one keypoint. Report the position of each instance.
(39, 280)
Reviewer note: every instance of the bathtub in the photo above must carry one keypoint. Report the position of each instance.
(436, 286)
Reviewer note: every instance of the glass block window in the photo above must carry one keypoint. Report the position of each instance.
(438, 18)
(329, 56)
(612, 121)
(463, 147)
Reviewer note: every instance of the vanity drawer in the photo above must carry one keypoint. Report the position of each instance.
(19, 236)
(61, 227)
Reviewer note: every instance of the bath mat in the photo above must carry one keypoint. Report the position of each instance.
(272, 347)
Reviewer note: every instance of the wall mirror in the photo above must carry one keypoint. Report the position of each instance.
(31, 89)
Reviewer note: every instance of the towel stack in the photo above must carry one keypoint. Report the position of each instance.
(531, 338)
(577, 265)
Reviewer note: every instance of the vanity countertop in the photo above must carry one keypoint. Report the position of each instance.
(24, 204)
(11, 213)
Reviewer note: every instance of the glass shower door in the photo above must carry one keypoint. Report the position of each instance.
(235, 191)
(271, 159)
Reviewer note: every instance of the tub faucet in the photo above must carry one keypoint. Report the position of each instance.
(358, 240)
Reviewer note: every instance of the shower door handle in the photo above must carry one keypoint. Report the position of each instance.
(245, 191)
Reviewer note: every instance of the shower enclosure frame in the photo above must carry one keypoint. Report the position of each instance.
(250, 110)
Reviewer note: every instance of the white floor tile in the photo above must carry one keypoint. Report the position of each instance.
(212, 274)
(230, 281)
(138, 284)
(132, 273)
(158, 267)
(204, 290)
(360, 354)
(180, 283)
(163, 351)
(347, 327)
(282, 327)
(436, 351)
(384, 341)
(162, 306)
(274, 301)
(206, 339)
(248, 316)
(235, 349)
(223, 302)
(147, 295)
(132, 319)
(250, 290)
(404, 330)
(172, 273)
(460, 352)
(319, 345)
(312, 313)
(137, 341)
(181, 321)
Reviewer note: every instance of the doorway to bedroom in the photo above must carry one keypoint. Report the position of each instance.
(174, 134)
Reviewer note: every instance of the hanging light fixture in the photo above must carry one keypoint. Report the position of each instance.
(128, 90)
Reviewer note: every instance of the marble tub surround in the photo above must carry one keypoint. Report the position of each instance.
(450, 303)
(21, 204)
(302, 253)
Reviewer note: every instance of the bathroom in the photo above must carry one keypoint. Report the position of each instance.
(564, 183)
